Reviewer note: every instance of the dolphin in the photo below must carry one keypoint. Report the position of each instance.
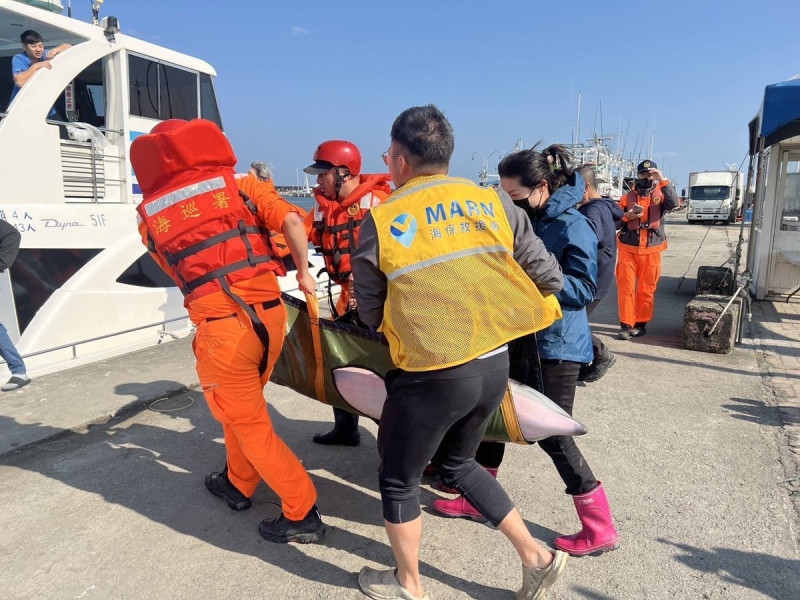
(539, 417)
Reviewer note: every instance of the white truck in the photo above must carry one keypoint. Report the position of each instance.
(714, 196)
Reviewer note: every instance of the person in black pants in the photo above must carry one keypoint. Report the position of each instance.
(421, 279)
(544, 185)
(603, 213)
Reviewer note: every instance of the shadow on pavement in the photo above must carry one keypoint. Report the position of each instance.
(590, 594)
(763, 573)
(761, 413)
(688, 363)
(159, 472)
(767, 335)
(538, 531)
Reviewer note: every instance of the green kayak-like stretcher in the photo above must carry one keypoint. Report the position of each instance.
(345, 366)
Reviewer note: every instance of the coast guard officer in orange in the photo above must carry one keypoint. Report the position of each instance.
(344, 196)
(640, 242)
(210, 231)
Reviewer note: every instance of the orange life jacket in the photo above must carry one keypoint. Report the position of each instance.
(336, 223)
(280, 247)
(197, 219)
(651, 215)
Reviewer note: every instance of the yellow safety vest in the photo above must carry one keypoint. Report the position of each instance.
(454, 289)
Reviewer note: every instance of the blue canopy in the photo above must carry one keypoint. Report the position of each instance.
(779, 117)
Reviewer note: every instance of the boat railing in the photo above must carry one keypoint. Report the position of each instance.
(162, 333)
(79, 124)
(321, 293)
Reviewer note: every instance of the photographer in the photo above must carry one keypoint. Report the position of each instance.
(640, 242)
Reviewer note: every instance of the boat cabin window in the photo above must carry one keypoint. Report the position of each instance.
(38, 272)
(145, 272)
(159, 91)
(6, 82)
(208, 100)
(89, 94)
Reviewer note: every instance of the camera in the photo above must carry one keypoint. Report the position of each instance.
(110, 26)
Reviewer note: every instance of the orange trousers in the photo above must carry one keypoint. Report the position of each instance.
(637, 278)
(228, 353)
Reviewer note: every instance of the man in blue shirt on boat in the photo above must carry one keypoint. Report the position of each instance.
(33, 58)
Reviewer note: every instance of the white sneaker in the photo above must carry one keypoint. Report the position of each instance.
(536, 582)
(16, 382)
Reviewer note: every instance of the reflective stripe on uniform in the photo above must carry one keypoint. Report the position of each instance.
(183, 194)
(443, 258)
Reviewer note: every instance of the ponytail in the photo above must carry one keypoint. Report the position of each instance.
(553, 164)
(559, 161)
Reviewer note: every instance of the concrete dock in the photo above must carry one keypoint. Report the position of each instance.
(102, 470)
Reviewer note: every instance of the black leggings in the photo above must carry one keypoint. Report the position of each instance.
(446, 409)
(558, 379)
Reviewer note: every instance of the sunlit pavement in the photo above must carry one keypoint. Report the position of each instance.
(698, 453)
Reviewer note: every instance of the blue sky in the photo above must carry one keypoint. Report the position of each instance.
(292, 74)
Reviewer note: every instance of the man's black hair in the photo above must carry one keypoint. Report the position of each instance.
(426, 134)
(30, 36)
(588, 174)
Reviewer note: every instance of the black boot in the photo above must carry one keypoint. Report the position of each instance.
(282, 530)
(219, 485)
(598, 368)
(344, 432)
(639, 329)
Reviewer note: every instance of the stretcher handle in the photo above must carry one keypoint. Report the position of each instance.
(316, 337)
(510, 419)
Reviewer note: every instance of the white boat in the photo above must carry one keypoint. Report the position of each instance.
(83, 287)
(613, 172)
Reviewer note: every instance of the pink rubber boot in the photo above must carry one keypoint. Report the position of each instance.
(598, 533)
(460, 507)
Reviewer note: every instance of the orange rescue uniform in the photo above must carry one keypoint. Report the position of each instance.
(334, 226)
(229, 351)
(640, 243)
(279, 245)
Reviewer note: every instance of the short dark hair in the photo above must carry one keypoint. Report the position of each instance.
(553, 164)
(426, 134)
(588, 174)
(29, 36)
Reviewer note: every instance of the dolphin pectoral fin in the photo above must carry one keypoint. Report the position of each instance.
(362, 389)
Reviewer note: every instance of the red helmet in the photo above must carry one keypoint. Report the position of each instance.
(335, 153)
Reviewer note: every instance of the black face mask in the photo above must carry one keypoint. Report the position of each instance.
(644, 185)
(529, 210)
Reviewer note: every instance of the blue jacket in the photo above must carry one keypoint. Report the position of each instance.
(570, 237)
(602, 213)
